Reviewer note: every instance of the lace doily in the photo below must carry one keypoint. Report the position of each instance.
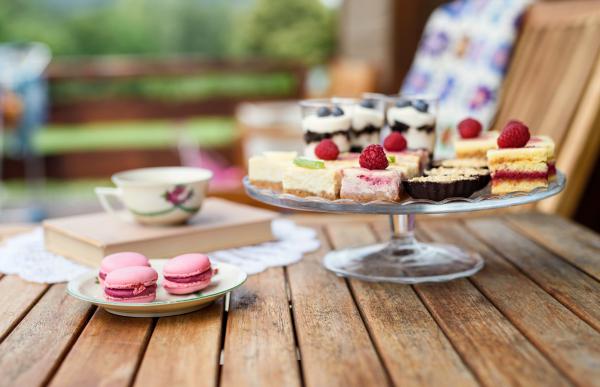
(26, 256)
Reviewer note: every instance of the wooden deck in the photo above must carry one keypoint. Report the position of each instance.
(530, 317)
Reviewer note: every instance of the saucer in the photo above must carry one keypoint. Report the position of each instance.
(229, 277)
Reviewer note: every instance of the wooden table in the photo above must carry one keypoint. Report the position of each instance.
(531, 317)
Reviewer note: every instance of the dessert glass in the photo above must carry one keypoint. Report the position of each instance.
(315, 128)
(414, 116)
(367, 122)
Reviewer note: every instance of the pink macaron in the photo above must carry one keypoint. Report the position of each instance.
(119, 261)
(187, 273)
(131, 284)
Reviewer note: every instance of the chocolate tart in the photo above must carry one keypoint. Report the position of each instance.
(440, 187)
(483, 175)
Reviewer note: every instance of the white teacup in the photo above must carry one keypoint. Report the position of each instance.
(159, 196)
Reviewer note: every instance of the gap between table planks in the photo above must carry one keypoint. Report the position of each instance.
(37, 345)
(573, 242)
(412, 346)
(571, 344)
(17, 297)
(572, 287)
(471, 323)
(184, 350)
(260, 349)
(108, 351)
(335, 347)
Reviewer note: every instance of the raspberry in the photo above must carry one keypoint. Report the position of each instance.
(327, 150)
(373, 157)
(469, 128)
(395, 142)
(514, 135)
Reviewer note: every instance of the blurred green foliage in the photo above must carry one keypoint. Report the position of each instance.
(178, 89)
(286, 29)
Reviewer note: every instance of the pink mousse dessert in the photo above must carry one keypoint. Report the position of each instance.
(135, 284)
(365, 185)
(119, 261)
(187, 273)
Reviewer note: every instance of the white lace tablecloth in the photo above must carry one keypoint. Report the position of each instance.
(26, 256)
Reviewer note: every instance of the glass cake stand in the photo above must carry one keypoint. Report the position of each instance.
(403, 259)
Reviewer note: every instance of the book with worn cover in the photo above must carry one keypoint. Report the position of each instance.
(220, 224)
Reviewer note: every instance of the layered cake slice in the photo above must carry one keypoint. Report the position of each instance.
(395, 145)
(517, 169)
(548, 143)
(409, 156)
(266, 171)
(365, 185)
(476, 146)
(307, 182)
(333, 124)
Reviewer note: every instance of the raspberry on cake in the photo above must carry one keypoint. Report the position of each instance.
(307, 182)
(476, 146)
(366, 185)
(327, 150)
(548, 143)
(266, 172)
(517, 169)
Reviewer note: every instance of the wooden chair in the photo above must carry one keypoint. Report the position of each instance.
(553, 85)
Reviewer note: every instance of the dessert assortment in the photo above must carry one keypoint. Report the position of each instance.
(128, 278)
(343, 158)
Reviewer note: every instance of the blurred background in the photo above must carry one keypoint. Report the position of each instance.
(92, 87)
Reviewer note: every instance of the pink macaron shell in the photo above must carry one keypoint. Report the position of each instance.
(186, 265)
(101, 282)
(179, 288)
(135, 300)
(131, 277)
(121, 260)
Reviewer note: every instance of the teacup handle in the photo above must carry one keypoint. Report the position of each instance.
(103, 193)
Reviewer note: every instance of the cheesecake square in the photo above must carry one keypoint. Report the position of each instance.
(266, 171)
(310, 182)
(517, 169)
(365, 185)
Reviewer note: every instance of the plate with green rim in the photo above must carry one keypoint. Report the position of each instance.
(86, 287)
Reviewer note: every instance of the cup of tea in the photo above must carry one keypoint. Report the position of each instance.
(157, 196)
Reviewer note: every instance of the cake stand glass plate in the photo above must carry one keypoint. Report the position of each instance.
(228, 278)
(403, 259)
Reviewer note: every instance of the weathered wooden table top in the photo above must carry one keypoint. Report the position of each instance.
(530, 317)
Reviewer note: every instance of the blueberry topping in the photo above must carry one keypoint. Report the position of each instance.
(323, 112)
(402, 104)
(367, 104)
(421, 106)
(336, 111)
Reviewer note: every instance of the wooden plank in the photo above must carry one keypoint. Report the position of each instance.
(412, 346)
(488, 343)
(260, 349)
(184, 350)
(577, 244)
(108, 352)
(572, 287)
(32, 352)
(17, 297)
(567, 341)
(335, 347)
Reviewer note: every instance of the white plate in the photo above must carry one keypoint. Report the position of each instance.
(85, 287)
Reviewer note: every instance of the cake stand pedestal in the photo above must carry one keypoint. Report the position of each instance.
(403, 259)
